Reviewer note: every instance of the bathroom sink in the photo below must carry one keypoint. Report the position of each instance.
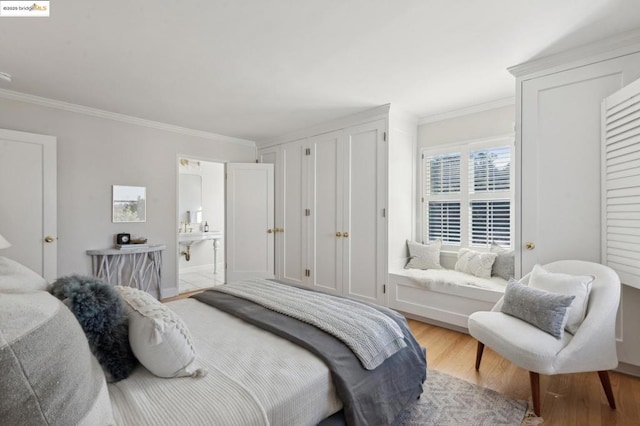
(189, 238)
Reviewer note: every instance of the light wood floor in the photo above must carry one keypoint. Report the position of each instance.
(569, 399)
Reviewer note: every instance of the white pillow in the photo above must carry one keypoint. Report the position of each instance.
(569, 285)
(159, 338)
(424, 256)
(14, 276)
(475, 263)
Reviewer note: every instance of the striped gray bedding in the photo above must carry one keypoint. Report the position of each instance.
(369, 397)
(372, 336)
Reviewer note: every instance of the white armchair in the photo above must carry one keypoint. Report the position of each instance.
(591, 348)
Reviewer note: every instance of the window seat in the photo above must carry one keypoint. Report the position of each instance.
(444, 295)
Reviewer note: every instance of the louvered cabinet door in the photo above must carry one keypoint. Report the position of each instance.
(621, 183)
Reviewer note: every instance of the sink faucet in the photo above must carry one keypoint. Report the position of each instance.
(185, 226)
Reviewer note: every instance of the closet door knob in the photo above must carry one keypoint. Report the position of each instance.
(346, 235)
(269, 231)
(529, 245)
(338, 234)
(49, 239)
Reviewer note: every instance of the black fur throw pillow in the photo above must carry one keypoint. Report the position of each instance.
(102, 315)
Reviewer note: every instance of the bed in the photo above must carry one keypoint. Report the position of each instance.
(253, 376)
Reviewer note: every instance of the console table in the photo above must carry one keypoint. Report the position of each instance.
(139, 267)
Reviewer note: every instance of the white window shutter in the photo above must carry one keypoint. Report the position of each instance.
(621, 183)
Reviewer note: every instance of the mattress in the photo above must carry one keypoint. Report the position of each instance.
(254, 378)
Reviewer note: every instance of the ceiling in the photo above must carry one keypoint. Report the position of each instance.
(256, 69)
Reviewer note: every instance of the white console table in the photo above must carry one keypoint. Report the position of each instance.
(139, 267)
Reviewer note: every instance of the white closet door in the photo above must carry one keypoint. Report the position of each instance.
(28, 190)
(271, 155)
(560, 161)
(364, 199)
(325, 222)
(292, 228)
(249, 221)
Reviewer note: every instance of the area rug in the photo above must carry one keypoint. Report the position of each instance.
(447, 400)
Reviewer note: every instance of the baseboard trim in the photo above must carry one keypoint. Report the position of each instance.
(630, 369)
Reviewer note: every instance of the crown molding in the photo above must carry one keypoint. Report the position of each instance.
(618, 45)
(108, 115)
(500, 103)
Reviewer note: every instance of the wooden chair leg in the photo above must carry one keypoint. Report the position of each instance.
(606, 385)
(479, 354)
(535, 391)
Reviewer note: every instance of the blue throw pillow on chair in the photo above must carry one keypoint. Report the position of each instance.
(547, 311)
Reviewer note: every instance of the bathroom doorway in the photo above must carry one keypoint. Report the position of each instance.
(201, 210)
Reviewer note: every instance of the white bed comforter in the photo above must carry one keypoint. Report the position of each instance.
(255, 378)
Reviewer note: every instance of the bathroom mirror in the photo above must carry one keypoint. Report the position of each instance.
(190, 202)
(129, 203)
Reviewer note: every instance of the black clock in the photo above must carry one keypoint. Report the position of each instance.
(123, 239)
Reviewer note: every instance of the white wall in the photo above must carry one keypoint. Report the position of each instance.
(95, 153)
(479, 125)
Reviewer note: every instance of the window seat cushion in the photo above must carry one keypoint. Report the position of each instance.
(454, 282)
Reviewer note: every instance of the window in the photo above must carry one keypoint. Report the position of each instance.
(467, 193)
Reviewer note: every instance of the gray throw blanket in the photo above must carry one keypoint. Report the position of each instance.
(370, 397)
(372, 336)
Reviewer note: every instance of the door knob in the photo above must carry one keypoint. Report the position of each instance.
(529, 245)
(338, 234)
(346, 235)
(269, 231)
(49, 239)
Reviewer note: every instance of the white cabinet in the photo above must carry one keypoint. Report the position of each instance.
(347, 220)
(292, 199)
(332, 196)
(558, 148)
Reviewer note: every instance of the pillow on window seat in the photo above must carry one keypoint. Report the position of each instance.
(570, 285)
(547, 311)
(475, 263)
(504, 265)
(424, 256)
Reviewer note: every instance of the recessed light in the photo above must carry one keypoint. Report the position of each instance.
(5, 76)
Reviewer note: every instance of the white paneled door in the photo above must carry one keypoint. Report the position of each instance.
(28, 190)
(364, 226)
(250, 221)
(560, 161)
(326, 220)
(292, 224)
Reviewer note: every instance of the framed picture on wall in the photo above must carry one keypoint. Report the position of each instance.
(129, 203)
